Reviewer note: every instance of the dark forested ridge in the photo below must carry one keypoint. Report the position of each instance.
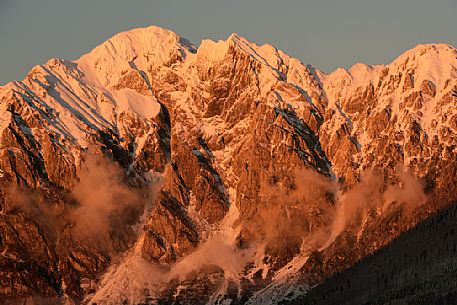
(419, 267)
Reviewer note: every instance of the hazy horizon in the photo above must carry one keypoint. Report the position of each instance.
(327, 34)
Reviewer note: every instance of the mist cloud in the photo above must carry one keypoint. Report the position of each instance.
(302, 213)
(100, 192)
(312, 210)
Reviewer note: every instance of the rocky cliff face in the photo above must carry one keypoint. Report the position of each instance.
(239, 173)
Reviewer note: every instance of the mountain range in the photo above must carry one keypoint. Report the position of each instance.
(153, 171)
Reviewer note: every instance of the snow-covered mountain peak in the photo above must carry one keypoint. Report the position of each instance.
(430, 50)
(434, 62)
(356, 74)
(265, 54)
(138, 49)
(150, 40)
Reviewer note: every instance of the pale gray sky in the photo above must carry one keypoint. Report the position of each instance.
(325, 33)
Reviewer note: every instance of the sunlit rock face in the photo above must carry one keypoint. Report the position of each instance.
(226, 152)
